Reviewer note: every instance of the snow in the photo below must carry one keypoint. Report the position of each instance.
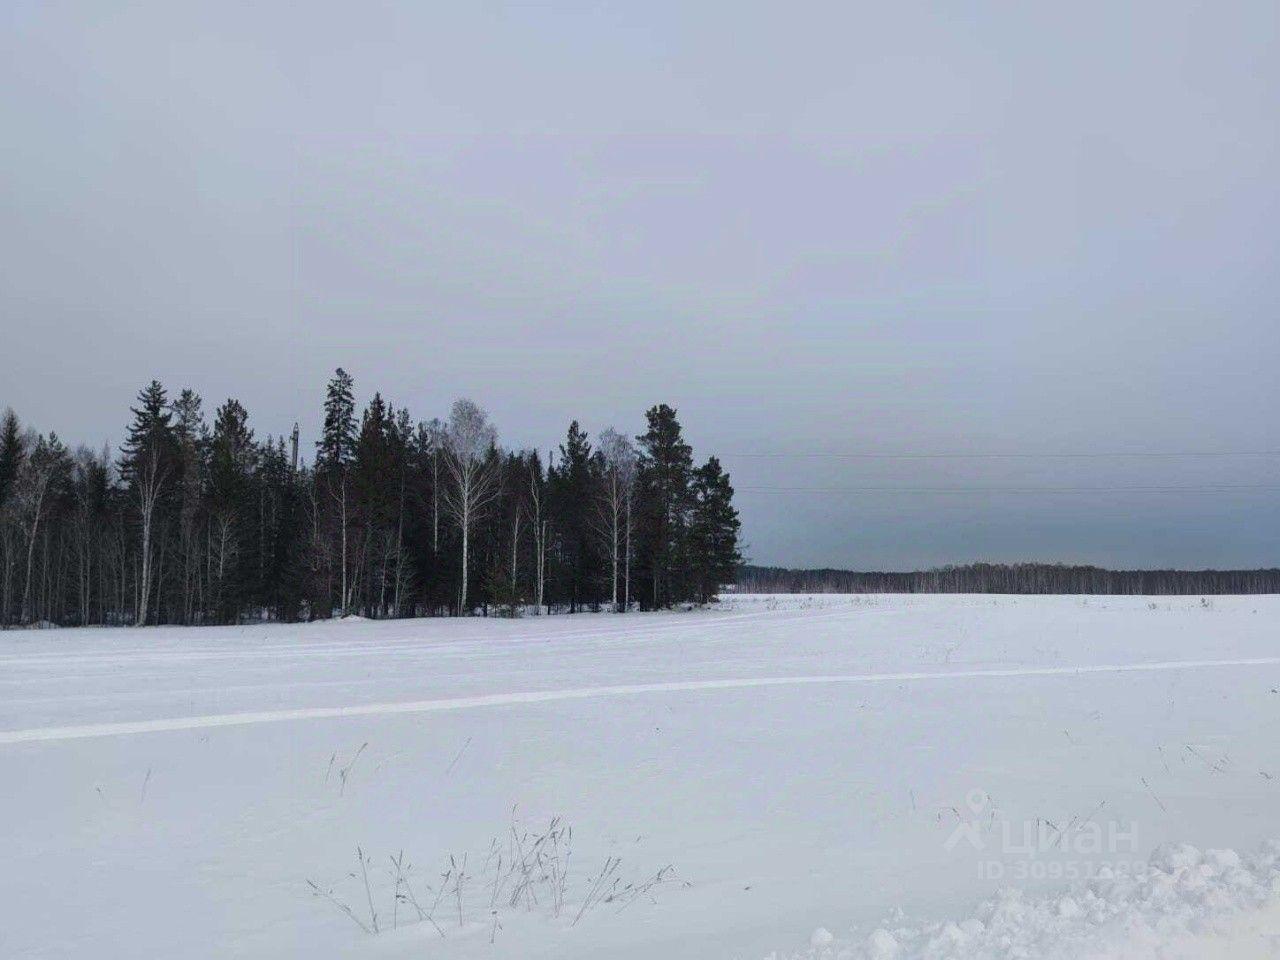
(1183, 904)
(832, 776)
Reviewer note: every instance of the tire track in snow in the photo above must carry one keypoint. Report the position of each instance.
(128, 728)
(309, 648)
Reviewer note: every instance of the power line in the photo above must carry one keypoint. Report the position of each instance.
(1191, 454)
(971, 491)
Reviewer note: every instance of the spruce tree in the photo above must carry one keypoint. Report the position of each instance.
(234, 508)
(11, 453)
(373, 467)
(151, 429)
(147, 466)
(336, 446)
(574, 483)
(281, 586)
(192, 439)
(375, 488)
(334, 455)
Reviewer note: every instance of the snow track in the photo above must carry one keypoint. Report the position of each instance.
(90, 731)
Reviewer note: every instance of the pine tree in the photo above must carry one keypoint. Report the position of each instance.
(713, 535)
(665, 468)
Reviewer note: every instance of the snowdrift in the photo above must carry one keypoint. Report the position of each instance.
(1185, 904)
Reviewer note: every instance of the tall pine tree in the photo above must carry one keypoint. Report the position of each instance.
(713, 536)
(665, 472)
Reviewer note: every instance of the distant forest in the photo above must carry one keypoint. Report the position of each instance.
(197, 523)
(1010, 578)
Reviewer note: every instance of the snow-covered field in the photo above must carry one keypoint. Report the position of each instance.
(812, 776)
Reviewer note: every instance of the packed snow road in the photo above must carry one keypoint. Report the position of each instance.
(729, 783)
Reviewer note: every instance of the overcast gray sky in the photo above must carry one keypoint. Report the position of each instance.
(813, 228)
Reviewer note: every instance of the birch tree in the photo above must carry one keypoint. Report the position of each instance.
(147, 465)
(617, 488)
(36, 478)
(541, 528)
(469, 439)
(436, 434)
(150, 474)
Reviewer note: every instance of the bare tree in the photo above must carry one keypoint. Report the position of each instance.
(469, 441)
(225, 549)
(339, 498)
(619, 458)
(541, 529)
(436, 435)
(36, 477)
(150, 475)
(91, 481)
(516, 515)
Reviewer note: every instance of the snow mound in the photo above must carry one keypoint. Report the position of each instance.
(1183, 905)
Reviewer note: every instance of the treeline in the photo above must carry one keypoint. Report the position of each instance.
(195, 523)
(1011, 578)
